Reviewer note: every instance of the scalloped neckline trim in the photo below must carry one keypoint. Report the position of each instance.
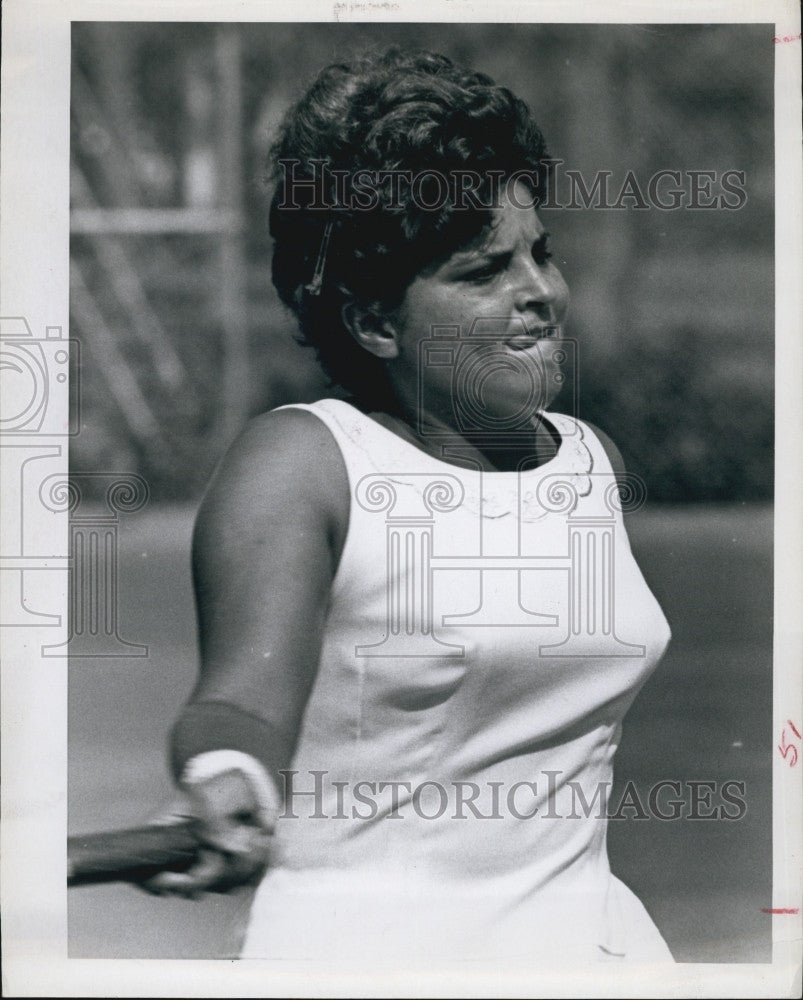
(497, 493)
(571, 433)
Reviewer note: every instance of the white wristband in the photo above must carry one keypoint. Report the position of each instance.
(211, 763)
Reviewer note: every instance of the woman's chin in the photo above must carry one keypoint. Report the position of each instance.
(551, 394)
(525, 400)
(505, 412)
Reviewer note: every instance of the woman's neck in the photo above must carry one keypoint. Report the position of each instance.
(527, 447)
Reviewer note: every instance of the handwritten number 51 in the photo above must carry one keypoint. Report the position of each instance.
(789, 748)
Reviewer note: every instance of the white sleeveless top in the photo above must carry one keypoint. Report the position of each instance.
(485, 636)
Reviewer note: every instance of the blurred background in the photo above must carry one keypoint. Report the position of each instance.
(183, 338)
(170, 252)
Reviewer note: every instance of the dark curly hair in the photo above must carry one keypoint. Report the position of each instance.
(400, 111)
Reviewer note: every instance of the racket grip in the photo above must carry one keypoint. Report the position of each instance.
(130, 855)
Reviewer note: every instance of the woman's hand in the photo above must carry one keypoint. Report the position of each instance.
(234, 831)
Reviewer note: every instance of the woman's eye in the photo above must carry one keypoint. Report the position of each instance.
(541, 252)
(486, 274)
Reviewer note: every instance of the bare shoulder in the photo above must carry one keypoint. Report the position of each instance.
(284, 469)
(266, 547)
(613, 453)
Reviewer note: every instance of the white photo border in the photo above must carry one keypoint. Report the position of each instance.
(34, 184)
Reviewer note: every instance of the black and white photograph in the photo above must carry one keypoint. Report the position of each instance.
(400, 538)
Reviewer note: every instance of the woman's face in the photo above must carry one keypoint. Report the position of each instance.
(477, 331)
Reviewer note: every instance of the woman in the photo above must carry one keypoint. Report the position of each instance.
(414, 669)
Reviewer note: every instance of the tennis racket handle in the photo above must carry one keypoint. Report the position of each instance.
(130, 855)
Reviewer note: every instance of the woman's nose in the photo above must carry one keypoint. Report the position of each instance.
(536, 287)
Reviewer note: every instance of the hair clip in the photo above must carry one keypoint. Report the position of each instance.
(314, 287)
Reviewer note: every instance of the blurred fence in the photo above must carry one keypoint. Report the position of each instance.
(184, 337)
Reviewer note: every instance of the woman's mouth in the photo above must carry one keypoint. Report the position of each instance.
(525, 341)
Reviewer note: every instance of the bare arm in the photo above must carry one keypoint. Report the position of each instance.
(616, 460)
(613, 453)
(265, 550)
(266, 546)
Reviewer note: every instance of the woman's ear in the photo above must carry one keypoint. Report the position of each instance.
(371, 329)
